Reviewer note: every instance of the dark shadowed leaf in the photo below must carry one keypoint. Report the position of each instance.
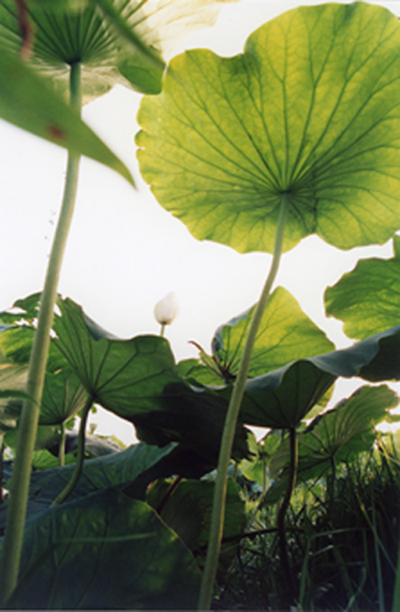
(116, 469)
(368, 298)
(105, 551)
(188, 510)
(310, 109)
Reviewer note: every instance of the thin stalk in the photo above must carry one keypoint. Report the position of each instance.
(287, 569)
(28, 424)
(79, 458)
(61, 446)
(218, 512)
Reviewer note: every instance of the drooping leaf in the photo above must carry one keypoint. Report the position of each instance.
(334, 436)
(113, 470)
(285, 334)
(282, 398)
(367, 299)
(105, 551)
(125, 376)
(310, 109)
(28, 101)
(137, 379)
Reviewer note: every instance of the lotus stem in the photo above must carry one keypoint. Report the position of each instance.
(286, 567)
(28, 424)
(79, 458)
(218, 512)
(61, 446)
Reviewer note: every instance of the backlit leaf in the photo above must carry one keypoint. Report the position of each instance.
(335, 436)
(28, 101)
(367, 299)
(282, 398)
(285, 334)
(310, 109)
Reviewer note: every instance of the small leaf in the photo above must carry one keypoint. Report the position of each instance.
(285, 334)
(367, 299)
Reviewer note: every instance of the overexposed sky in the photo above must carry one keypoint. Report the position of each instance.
(124, 251)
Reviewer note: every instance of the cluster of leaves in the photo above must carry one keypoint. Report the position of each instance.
(308, 112)
(343, 542)
(179, 418)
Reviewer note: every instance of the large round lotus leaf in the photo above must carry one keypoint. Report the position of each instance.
(309, 109)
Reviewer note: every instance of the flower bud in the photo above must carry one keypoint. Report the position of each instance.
(166, 309)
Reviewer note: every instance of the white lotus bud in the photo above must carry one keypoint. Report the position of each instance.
(166, 309)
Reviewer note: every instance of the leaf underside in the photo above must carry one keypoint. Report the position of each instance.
(309, 109)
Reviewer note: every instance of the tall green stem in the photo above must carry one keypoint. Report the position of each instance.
(218, 512)
(28, 423)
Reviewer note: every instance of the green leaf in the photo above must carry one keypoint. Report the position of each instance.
(23, 311)
(137, 379)
(310, 109)
(188, 510)
(285, 334)
(63, 397)
(47, 436)
(282, 398)
(115, 469)
(367, 299)
(116, 42)
(105, 551)
(47, 115)
(337, 435)
(78, 33)
(45, 460)
(127, 377)
(262, 451)
(12, 385)
(195, 372)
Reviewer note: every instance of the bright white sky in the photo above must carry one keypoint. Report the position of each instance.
(125, 252)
